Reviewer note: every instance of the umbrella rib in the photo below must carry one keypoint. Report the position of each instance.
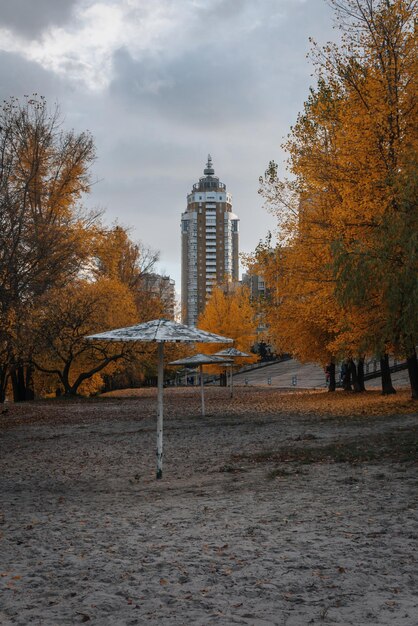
(157, 329)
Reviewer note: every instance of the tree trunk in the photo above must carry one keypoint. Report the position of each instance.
(354, 377)
(331, 372)
(360, 374)
(18, 384)
(68, 390)
(413, 373)
(22, 383)
(346, 376)
(13, 378)
(387, 388)
(3, 383)
(29, 386)
(64, 377)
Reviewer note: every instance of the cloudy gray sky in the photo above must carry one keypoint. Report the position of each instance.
(162, 83)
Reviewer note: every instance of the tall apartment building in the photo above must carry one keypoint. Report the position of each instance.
(209, 237)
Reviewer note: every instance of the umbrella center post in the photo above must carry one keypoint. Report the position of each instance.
(202, 391)
(160, 410)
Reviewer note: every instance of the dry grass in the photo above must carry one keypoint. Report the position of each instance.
(400, 445)
(248, 403)
(342, 403)
(269, 401)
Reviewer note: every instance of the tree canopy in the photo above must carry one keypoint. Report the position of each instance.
(229, 313)
(348, 214)
(63, 274)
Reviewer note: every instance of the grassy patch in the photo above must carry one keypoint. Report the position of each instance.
(280, 472)
(400, 446)
(231, 469)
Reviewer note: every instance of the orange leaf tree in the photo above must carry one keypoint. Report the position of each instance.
(348, 214)
(44, 231)
(116, 256)
(63, 319)
(229, 312)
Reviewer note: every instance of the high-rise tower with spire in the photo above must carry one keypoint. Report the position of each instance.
(209, 235)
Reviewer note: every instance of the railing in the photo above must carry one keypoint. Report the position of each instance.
(201, 186)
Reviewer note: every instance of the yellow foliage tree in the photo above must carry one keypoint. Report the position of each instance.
(348, 263)
(229, 312)
(66, 316)
(44, 231)
(117, 257)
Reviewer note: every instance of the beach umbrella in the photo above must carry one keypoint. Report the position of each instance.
(232, 353)
(199, 360)
(160, 332)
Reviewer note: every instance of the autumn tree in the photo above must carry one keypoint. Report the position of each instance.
(349, 210)
(116, 256)
(63, 319)
(376, 250)
(375, 256)
(43, 229)
(229, 313)
(301, 315)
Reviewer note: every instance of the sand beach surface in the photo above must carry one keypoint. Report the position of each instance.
(271, 511)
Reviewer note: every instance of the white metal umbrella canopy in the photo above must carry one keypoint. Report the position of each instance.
(160, 331)
(200, 360)
(231, 353)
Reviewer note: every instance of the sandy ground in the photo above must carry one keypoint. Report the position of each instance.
(229, 536)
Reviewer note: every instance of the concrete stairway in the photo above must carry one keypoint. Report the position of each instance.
(292, 374)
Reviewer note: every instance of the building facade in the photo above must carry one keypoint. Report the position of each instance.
(210, 238)
(256, 285)
(162, 287)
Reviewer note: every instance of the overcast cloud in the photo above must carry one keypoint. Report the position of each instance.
(160, 84)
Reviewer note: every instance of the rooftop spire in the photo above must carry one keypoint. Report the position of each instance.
(209, 171)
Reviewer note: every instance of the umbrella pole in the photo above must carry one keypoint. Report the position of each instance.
(231, 374)
(202, 393)
(160, 410)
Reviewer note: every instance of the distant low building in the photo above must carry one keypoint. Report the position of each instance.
(258, 295)
(162, 287)
(256, 285)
